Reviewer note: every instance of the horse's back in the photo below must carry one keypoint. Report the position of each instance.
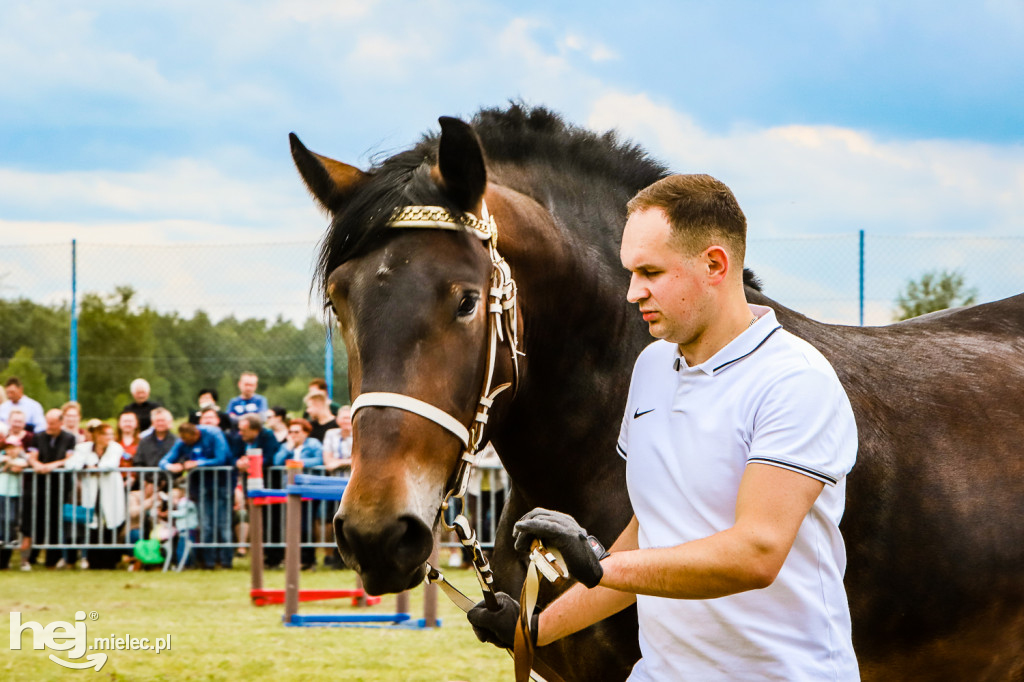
(935, 505)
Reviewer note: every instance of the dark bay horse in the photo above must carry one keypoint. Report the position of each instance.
(935, 513)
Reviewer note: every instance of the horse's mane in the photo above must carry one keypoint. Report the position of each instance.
(584, 179)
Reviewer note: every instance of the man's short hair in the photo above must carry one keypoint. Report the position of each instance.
(303, 424)
(319, 383)
(188, 429)
(211, 391)
(279, 411)
(248, 373)
(316, 398)
(71, 405)
(701, 210)
(252, 421)
(139, 383)
(13, 381)
(161, 411)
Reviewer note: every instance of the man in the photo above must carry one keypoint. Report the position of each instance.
(252, 435)
(44, 494)
(738, 437)
(154, 446)
(320, 416)
(17, 400)
(202, 451)
(319, 385)
(338, 442)
(207, 399)
(248, 401)
(141, 405)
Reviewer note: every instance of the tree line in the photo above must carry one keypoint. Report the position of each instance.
(119, 341)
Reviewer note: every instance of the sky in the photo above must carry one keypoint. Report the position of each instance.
(162, 127)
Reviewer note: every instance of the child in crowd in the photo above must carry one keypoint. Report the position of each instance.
(12, 463)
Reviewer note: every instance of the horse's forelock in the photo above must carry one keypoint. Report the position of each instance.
(401, 180)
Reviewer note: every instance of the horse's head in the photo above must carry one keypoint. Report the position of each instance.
(412, 305)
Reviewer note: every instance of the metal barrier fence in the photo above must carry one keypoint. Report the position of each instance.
(197, 518)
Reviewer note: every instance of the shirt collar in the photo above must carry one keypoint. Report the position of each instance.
(752, 338)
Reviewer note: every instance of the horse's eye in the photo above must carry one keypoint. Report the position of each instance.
(468, 304)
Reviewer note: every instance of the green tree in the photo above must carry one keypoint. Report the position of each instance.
(935, 290)
(32, 377)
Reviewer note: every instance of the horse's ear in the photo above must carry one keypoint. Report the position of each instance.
(329, 181)
(460, 160)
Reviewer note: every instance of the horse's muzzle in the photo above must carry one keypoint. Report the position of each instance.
(388, 554)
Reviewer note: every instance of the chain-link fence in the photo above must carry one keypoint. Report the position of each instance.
(191, 316)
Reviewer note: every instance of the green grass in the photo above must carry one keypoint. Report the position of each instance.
(216, 634)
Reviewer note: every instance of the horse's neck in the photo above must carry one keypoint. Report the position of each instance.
(557, 437)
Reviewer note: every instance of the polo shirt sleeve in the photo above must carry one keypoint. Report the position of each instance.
(805, 424)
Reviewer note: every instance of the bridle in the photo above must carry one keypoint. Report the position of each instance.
(502, 326)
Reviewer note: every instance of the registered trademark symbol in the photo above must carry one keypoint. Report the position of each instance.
(93, 615)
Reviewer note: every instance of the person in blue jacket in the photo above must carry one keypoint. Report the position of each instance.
(300, 446)
(203, 452)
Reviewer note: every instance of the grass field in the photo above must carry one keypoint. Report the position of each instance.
(216, 634)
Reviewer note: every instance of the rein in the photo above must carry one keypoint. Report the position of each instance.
(501, 327)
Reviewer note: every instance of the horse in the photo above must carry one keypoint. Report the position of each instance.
(935, 504)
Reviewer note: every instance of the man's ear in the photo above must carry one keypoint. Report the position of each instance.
(717, 262)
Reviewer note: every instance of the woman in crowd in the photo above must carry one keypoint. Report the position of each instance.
(299, 445)
(103, 493)
(71, 416)
(128, 436)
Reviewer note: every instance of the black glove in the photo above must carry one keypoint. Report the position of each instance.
(582, 553)
(499, 627)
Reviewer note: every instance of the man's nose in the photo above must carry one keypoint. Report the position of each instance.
(637, 291)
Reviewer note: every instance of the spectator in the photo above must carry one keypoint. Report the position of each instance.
(338, 442)
(71, 416)
(186, 520)
(210, 417)
(204, 447)
(103, 492)
(277, 421)
(17, 400)
(159, 442)
(253, 435)
(142, 405)
(43, 501)
(16, 432)
(128, 436)
(320, 416)
(248, 401)
(318, 385)
(12, 463)
(207, 399)
(300, 445)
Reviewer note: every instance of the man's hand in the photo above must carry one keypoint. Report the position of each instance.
(243, 463)
(191, 464)
(499, 627)
(175, 467)
(561, 531)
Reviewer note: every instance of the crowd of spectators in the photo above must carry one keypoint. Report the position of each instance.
(129, 499)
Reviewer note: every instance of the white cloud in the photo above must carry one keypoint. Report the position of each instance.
(821, 179)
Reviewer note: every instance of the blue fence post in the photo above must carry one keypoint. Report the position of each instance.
(862, 278)
(329, 362)
(73, 352)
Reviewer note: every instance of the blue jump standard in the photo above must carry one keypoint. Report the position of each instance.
(359, 620)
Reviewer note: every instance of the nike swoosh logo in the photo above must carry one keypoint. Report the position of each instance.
(638, 413)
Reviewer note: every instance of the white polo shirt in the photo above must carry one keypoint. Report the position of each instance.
(687, 435)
